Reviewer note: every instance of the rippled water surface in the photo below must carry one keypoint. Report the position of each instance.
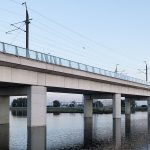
(72, 131)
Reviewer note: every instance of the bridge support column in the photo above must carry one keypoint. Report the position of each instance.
(4, 110)
(148, 105)
(88, 107)
(4, 137)
(88, 125)
(127, 106)
(36, 138)
(117, 133)
(116, 106)
(127, 125)
(36, 106)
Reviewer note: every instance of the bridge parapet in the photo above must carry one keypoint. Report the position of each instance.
(47, 58)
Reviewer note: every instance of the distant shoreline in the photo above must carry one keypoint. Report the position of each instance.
(102, 110)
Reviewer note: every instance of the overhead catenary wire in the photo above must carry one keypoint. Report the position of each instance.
(91, 53)
(81, 35)
(17, 34)
(10, 12)
(59, 33)
(111, 50)
(77, 33)
(52, 40)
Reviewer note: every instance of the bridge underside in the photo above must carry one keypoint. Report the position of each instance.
(8, 85)
(14, 89)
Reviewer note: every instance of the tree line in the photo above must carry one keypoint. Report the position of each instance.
(22, 102)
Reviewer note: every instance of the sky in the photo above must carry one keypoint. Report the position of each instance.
(100, 33)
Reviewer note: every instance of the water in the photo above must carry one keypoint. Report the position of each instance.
(72, 131)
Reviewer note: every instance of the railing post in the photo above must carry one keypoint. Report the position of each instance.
(100, 71)
(37, 58)
(60, 63)
(78, 66)
(86, 68)
(55, 62)
(3, 47)
(46, 58)
(16, 51)
(93, 69)
(50, 59)
(70, 64)
(27, 53)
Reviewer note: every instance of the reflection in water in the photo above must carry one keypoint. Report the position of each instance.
(127, 125)
(87, 131)
(36, 138)
(148, 128)
(19, 113)
(4, 137)
(117, 133)
(148, 123)
(65, 132)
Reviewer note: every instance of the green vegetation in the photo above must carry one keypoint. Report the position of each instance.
(19, 102)
(74, 107)
(56, 103)
(97, 104)
(104, 110)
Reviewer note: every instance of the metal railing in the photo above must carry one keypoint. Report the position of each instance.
(47, 58)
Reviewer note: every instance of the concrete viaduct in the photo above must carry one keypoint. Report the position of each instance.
(31, 73)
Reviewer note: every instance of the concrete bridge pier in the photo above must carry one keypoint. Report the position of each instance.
(148, 105)
(36, 138)
(148, 114)
(88, 106)
(117, 106)
(127, 125)
(4, 137)
(36, 106)
(4, 110)
(117, 133)
(88, 120)
(127, 106)
(88, 126)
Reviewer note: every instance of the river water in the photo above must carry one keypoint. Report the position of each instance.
(73, 132)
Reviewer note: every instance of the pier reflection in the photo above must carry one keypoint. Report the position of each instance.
(128, 125)
(88, 131)
(117, 133)
(148, 128)
(36, 138)
(4, 137)
(148, 125)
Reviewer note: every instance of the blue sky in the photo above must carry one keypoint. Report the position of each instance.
(101, 33)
